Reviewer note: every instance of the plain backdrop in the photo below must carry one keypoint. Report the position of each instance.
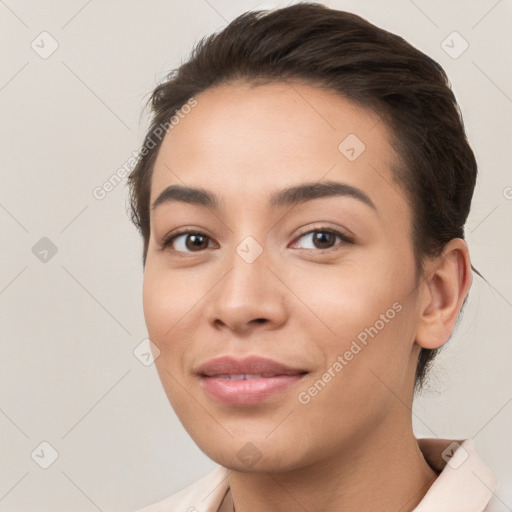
(74, 396)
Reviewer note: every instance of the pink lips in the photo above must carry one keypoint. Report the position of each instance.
(246, 381)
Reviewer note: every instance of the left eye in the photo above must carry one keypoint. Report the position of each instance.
(321, 239)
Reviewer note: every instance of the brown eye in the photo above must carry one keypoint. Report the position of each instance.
(321, 239)
(196, 242)
(187, 242)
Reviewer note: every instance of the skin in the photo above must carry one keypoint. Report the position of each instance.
(352, 446)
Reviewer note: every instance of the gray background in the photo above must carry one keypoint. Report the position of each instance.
(70, 321)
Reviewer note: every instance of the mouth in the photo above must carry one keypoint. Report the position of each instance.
(246, 381)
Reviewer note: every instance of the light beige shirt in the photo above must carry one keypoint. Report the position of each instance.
(465, 484)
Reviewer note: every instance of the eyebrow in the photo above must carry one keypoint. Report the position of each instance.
(287, 197)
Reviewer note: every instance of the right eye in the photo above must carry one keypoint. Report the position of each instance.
(186, 241)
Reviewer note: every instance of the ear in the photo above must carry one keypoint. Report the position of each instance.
(445, 286)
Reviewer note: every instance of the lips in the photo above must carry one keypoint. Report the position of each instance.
(246, 381)
(251, 365)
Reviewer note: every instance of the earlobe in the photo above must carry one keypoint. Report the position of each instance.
(443, 291)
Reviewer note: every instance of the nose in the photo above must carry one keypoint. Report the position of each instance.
(248, 298)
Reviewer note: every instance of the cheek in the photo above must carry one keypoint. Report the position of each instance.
(343, 300)
(362, 313)
(169, 299)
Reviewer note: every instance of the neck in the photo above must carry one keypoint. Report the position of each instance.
(386, 472)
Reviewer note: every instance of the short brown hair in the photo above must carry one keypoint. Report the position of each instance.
(340, 52)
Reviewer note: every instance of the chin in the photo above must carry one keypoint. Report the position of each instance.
(254, 456)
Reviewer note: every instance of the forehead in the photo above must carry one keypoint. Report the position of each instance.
(247, 141)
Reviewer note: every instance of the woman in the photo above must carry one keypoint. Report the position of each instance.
(302, 194)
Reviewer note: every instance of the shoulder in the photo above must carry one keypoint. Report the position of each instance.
(204, 495)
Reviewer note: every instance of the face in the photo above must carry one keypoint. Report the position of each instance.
(294, 266)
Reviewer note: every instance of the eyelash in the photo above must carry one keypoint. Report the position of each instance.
(169, 239)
